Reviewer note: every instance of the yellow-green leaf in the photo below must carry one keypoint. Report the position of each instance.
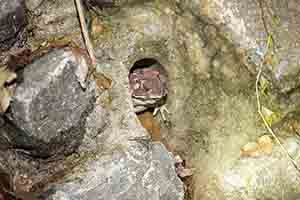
(269, 115)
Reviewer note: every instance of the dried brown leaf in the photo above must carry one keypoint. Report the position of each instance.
(6, 88)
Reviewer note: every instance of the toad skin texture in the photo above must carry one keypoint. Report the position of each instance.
(148, 88)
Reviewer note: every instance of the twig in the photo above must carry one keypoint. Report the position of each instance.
(270, 42)
(88, 42)
(265, 121)
(269, 34)
(85, 33)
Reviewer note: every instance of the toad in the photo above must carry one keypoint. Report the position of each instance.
(148, 88)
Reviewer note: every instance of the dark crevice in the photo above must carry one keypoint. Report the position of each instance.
(150, 85)
(143, 63)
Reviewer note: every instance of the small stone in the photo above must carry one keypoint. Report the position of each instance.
(292, 145)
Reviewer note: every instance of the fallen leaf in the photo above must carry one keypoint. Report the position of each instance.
(102, 81)
(6, 87)
(269, 115)
(185, 173)
(251, 149)
(4, 99)
(150, 124)
(6, 76)
(96, 27)
(265, 143)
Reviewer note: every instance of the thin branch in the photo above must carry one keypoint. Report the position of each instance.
(88, 42)
(85, 33)
(265, 121)
(269, 34)
(259, 107)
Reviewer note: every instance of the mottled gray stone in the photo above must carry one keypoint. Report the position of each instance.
(134, 173)
(33, 4)
(96, 122)
(55, 19)
(50, 106)
(12, 19)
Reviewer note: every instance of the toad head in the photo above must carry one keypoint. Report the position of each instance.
(148, 87)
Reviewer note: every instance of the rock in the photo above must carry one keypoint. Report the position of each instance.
(134, 173)
(243, 24)
(262, 177)
(214, 111)
(196, 89)
(33, 4)
(96, 122)
(55, 19)
(124, 164)
(12, 20)
(50, 106)
(211, 98)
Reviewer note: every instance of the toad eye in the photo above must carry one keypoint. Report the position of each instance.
(146, 87)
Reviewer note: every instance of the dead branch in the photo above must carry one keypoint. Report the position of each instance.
(88, 42)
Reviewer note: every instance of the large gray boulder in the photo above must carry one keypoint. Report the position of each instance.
(249, 24)
(136, 173)
(50, 106)
(12, 19)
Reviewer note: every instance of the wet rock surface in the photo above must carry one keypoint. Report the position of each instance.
(12, 20)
